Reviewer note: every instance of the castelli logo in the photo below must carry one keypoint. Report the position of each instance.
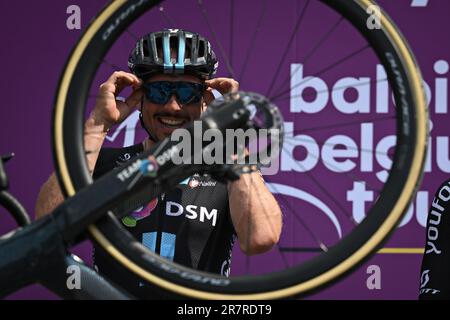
(194, 183)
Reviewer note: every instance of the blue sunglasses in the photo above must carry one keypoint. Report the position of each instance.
(160, 92)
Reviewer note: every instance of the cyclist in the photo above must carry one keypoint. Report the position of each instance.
(196, 223)
(435, 271)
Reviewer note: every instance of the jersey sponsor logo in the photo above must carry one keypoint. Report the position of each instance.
(139, 214)
(129, 171)
(225, 268)
(193, 183)
(434, 220)
(424, 279)
(135, 166)
(192, 212)
(430, 291)
(196, 181)
(149, 167)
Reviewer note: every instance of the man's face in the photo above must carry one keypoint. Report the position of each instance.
(161, 120)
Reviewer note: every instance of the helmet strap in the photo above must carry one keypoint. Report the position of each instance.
(141, 118)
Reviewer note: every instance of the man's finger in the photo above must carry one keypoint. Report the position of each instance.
(123, 82)
(120, 74)
(209, 96)
(223, 85)
(118, 81)
(134, 99)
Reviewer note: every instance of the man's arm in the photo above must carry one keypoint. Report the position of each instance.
(50, 195)
(255, 213)
(106, 113)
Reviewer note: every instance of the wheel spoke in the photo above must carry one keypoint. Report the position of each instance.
(326, 192)
(313, 236)
(252, 41)
(340, 61)
(351, 176)
(314, 49)
(327, 91)
(219, 44)
(286, 50)
(166, 17)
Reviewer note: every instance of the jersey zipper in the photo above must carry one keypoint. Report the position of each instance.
(160, 226)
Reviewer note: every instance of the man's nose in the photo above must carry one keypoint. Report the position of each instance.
(172, 104)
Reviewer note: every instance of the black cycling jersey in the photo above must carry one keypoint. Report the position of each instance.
(190, 225)
(435, 272)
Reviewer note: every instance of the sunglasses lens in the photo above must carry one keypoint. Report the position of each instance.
(158, 92)
(189, 93)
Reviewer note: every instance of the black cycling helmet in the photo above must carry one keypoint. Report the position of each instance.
(152, 55)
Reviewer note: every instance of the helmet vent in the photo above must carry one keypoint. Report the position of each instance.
(159, 53)
(201, 49)
(173, 40)
(187, 53)
(145, 48)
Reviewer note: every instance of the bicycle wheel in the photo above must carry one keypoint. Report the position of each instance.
(409, 127)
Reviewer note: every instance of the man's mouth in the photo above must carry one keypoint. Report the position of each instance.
(171, 122)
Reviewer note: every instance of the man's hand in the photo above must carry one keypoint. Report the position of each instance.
(255, 213)
(109, 111)
(223, 85)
